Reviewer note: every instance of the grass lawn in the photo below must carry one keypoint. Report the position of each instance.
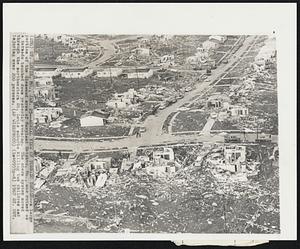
(221, 89)
(189, 121)
(99, 89)
(82, 132)
(227, 81)
(225, 125)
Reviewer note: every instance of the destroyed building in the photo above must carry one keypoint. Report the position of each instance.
(166, 153)
(238, 111)
(46, 114)
(231, 158)
(218, 101)
(98, 164)
(122, 100)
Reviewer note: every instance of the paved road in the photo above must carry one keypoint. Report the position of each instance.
(153, 124)
(109, 49)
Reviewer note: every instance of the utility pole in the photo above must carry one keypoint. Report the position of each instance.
(137, 75)
(52, 50)
(224, 212)
(256, 129)
(111, 82)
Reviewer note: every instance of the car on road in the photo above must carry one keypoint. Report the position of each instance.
(206, 80)
(188, 89)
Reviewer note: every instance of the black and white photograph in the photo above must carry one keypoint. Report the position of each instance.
(148, 132)
(156, 133)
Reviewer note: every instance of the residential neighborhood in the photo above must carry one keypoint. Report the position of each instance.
(156, 133)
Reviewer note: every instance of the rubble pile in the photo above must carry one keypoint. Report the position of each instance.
(192, 199)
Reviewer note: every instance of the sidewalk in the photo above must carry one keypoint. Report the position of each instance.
(207, 127)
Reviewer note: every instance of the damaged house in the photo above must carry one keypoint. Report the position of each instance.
(46, 114)
(218, 101)
(122, 100)
(98, 164)
(238, 111)
(230, 158)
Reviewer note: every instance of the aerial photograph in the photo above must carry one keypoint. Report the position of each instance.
(156, 134)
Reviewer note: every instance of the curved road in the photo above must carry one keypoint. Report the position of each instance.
(153, 124)
(107, 50)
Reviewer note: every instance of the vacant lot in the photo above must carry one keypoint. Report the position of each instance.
(99, 89)
(49, 50)
(221, 89)
(82, 132)
(228, 81)
(224, 125)
(189, 121)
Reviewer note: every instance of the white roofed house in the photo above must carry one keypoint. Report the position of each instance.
(47, 72)
(94, 118)
(74, 73)
(109, 72)
(141, 73)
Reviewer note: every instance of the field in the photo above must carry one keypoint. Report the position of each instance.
(49, 50)
(225, 125)
(79, 132)
(227, 81)
(221, 89)
(99, 89)
(189, 121)
(265, 107)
